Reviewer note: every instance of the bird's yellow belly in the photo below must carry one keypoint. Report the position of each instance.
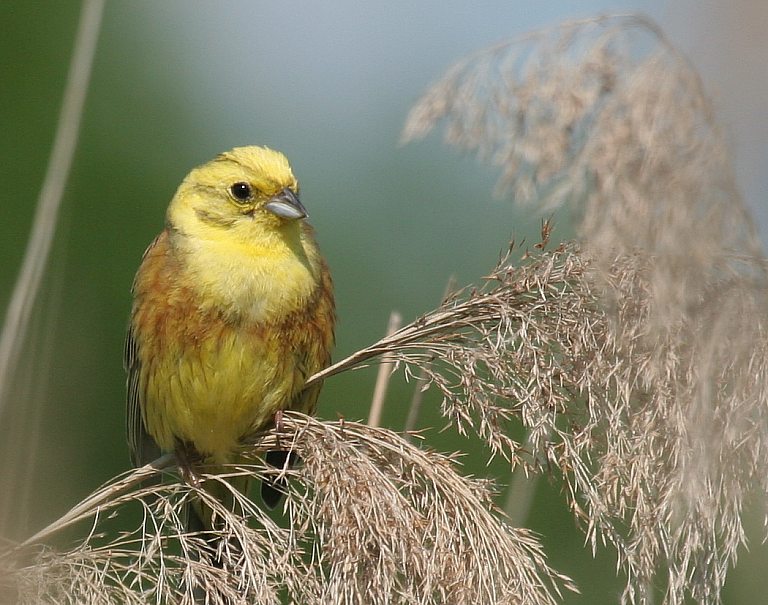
(212, 394)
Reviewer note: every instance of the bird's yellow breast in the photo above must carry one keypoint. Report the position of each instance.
(259, 284)
(226, 336)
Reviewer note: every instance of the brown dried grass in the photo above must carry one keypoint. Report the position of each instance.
(667, 383)
(370, 518)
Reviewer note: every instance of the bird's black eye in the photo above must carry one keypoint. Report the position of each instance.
(241, 191)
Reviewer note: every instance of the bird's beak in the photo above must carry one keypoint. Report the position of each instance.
(286, 205)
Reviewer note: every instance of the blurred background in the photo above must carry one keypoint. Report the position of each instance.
(330, 84)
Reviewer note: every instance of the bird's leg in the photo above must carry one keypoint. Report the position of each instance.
(279, 426)
(279, 421)
(274, 485)
(186, 466)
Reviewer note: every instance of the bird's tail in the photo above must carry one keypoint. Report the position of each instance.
(204, 521)
(210, 527)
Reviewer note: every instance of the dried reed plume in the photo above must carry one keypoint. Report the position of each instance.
(370, 519)
(666, 421)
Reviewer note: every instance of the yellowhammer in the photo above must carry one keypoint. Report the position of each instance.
(233, 310)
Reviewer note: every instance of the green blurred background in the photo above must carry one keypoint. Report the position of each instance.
(329, 84)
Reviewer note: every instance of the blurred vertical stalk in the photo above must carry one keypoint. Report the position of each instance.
(16, 327)
(421, 379)
(49, 200)
(520, 495)
(384, 375)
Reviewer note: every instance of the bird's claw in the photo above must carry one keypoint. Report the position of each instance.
(186, 468)
(279, 426)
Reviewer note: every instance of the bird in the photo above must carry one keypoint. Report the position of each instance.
(233, 310)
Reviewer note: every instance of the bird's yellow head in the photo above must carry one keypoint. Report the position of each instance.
(247, 193)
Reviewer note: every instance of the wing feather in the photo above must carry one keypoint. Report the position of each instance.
(141, 446)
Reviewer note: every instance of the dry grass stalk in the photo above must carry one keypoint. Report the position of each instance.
(24, 299)
(383, 376)
(420, 384)
(370, 519)
(670, 416)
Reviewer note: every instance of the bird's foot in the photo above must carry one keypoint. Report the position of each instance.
(279, 426)
(187, 467)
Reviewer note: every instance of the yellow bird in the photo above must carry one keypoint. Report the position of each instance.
(233, 310)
